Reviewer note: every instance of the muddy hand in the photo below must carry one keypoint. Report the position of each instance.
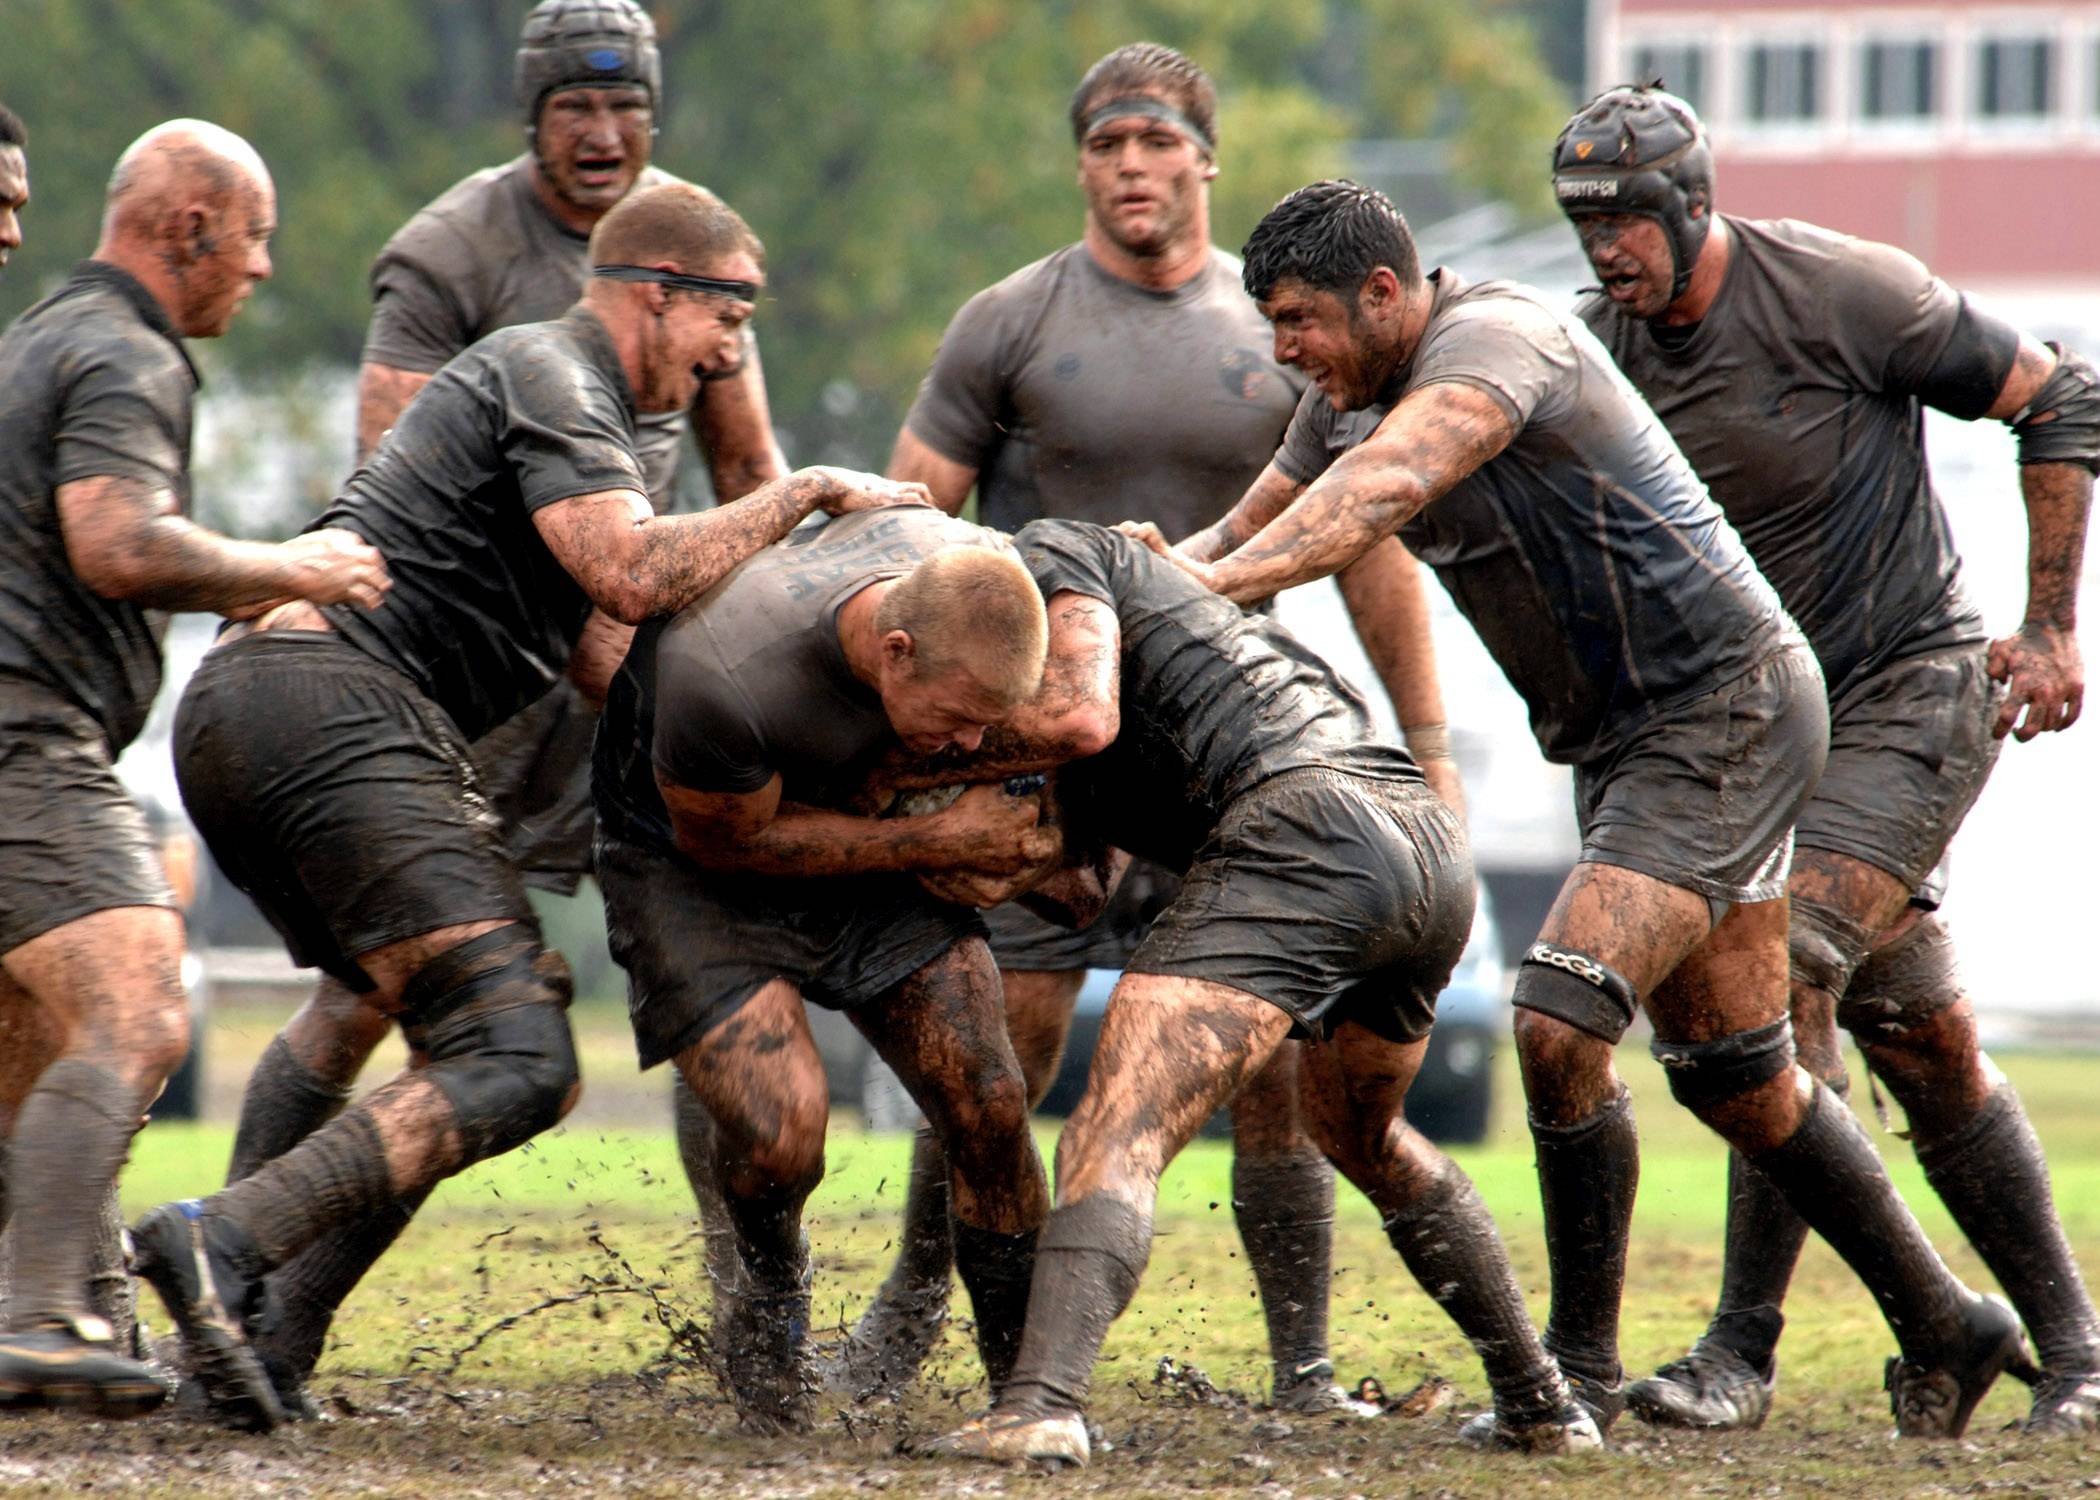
(331, 566)
(993, 833)
(2044, 676)
(852, 490)
(1151, 536)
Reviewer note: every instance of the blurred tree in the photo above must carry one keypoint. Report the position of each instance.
(895, 157)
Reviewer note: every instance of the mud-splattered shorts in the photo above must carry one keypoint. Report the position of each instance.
(72, 842)
(1023, 941)
(1910, 750)
(1705, 795)
(697, 945)
(536, 768)
(1334, 897)
(341, 799)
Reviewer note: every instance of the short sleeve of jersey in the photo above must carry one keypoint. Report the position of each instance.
(568, 436)
(1899, 328)
(418, 322)
(1508, 347)
(123, 417)
(1067, 556)
(962, 400)
(1305, 455)
(707, 735)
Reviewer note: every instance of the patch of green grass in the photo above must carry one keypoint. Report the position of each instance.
(560, 1400)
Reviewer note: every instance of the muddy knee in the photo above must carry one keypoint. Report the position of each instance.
(1905, 1008)
(1570, 1011)
(491, 1015)
(1739, 1084)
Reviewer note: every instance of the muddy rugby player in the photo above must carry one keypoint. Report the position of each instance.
(1790, 364)
(95, 407)
(1326, 894)
(1129, 374)
(1498, 438)
(505, 246)
(322, 753)
(739, 885)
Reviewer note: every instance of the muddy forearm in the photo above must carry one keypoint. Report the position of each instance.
(813, 843)
(679, 558)
(2059, 500)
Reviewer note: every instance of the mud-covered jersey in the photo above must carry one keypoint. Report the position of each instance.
(1077, 395)
(751, 680)
(1798, 400)
(481, 615)
(486, 254)
(1598, 572)
(1214, 702)
(94, 383)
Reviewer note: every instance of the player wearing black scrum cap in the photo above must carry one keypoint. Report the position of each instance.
(322, 753)
(1791, 363)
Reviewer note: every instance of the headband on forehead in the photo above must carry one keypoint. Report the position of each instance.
(743, 291)
(1151, 109)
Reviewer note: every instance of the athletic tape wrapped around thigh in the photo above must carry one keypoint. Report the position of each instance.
(1575, 988)
(1824, 946)
(498, 1040)
(1703, 1074)
(1902, 985)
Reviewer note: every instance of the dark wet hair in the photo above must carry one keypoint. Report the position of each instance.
(1330, 236)
(12, 131)
(1144, 67)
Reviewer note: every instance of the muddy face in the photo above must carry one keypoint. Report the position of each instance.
(590, 144)
(228, 254)
(14, 197)
(1632, 259)
(1143, 181)
(697, 334)
(931, 713)
(1324, 334)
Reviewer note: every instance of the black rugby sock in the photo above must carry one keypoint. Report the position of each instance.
(1829, 1173)
(695, 1130)
(284, 1103)
(304, 1294)
(1993, 1178)
(997, 1270)
(328, 1182)
(1588, 1173)
(1449, 1242)
(71, 1136)
(1763, 1246)
(1285, 1209)
(1088, 1262)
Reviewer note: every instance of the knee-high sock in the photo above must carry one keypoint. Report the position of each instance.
(71, 1136)
(1088, 1262)
(328, 1182)
(1588, 1173)
(1758, 1257)
(1992, 1176)
(695, 1130)
(997, 1270)
(284, 1103)
(1285, 1209)
(304, 1295)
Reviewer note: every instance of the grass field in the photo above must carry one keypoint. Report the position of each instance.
(434, 1394)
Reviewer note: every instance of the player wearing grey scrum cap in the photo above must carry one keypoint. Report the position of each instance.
(1790, 364)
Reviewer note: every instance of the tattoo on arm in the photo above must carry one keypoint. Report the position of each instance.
(2059, 500)
(126, 541)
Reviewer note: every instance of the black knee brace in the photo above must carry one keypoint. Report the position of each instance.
(1902, 985)
(1703, 1074)
(1575, 988)
(489, 1014)
(1824, 946)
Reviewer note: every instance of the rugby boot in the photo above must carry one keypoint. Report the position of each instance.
(1571, 1429)
(883, 1353)
(762, 1341)
(1605, 1403)
(1053, 1439)
(1935, 1401)
(74, 1366)
(209, 1279)
(2064, 1406)
(1713, 1389)
(1310, 1391)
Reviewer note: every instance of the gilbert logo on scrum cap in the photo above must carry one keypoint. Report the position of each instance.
(1586, 187)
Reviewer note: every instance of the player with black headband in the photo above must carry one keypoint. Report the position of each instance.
(322, 753)
(1497, 437)
(1129, 374)
(1791, 364)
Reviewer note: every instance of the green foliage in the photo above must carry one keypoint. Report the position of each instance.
(895, 157)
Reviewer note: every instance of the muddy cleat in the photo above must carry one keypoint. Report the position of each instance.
(883, 1353)
(1935, 1401)
(762, 1338)
(1058, 1440)
(1310, 1391)
(1604, 1403)
(2064, 1406)
(1711, 1389)
(208, 1293)
(1570, 1430)
(75, 1367)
